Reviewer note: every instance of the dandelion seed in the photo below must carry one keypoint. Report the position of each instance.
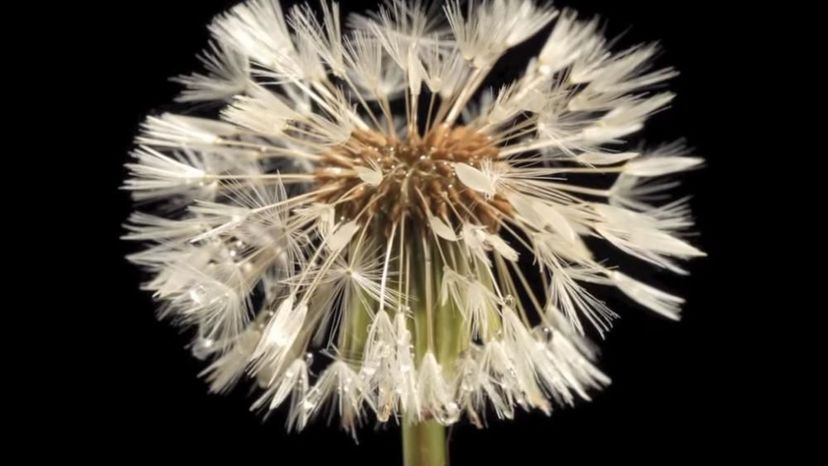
(228, 75)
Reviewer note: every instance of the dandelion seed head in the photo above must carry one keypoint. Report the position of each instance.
(351, 229)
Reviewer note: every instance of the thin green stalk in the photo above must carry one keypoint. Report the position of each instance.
(424, 444)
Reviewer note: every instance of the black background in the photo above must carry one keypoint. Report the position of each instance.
(678, 390)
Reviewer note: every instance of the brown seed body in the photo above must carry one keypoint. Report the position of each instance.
(418, 177)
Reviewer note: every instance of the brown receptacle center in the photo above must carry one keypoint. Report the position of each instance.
(418, 177)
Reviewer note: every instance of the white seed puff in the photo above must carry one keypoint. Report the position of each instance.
(363, 228)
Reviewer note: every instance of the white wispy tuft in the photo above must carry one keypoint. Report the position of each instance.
(228, 74)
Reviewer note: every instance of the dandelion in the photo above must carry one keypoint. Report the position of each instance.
(368, 234)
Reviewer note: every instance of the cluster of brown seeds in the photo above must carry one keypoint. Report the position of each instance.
(418, 177)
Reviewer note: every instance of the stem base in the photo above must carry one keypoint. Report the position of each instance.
(424, 444)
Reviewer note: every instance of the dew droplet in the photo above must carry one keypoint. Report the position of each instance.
(202, 348)
(198, 294)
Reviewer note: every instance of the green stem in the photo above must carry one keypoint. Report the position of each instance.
(424, 444)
